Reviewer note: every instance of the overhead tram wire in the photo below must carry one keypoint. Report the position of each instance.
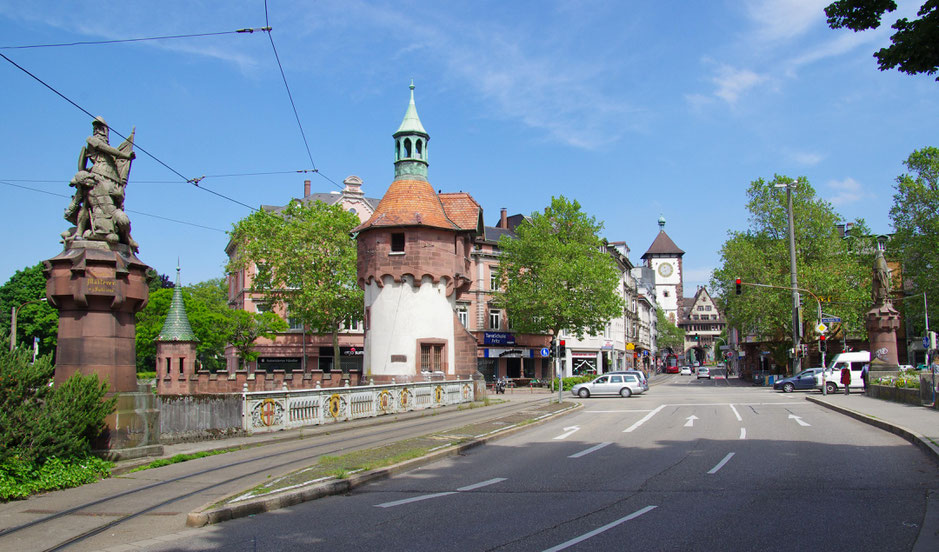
(55, 181)
(142, 39)
(193, 181)
(306, 143)
(126, 210)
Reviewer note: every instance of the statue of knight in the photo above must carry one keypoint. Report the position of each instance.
(97, 208)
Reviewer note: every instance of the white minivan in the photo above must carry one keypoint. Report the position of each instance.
(854, 360)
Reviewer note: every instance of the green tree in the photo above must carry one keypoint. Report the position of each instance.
(827, 265)
(670, 336)
(916, 232)
(209, 315)
(158, 281)
(247, 327)
(914, 44)
(557, 274)
(305, 261)
(34, 320)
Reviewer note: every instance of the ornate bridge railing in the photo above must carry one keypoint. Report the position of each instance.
(275, 410)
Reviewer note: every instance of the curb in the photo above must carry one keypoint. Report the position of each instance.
(206, 515)
(927, 446)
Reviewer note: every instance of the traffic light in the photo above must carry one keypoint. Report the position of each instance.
(562, 349)
(738, 286)
(821, 338)
(552, 351)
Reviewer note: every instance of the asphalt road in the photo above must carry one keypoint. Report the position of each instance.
(692, 465)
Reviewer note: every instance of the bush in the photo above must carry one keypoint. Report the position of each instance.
(908, 379)
(19, 479)
(39, 421)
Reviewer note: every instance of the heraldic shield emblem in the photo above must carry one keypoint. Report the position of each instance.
(336, 405)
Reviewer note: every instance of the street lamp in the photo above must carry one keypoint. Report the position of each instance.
(13, 320)
(789, 186)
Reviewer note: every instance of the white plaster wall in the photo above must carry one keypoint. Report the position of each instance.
(400, 314)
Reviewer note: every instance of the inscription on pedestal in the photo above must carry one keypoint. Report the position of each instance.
(100, 286)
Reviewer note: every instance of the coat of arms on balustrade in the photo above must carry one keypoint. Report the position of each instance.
(385, 402)
(267, 413)
(404, 398)
(336, 405)
(438, 394)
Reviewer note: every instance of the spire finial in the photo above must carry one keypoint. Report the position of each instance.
(661, 221)
(412, 84)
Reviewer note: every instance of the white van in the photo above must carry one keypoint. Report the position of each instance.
(854, 360)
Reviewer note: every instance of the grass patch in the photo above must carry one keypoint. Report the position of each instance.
(181, 458)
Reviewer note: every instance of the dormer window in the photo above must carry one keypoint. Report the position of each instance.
(397, 242)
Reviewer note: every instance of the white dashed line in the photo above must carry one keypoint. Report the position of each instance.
(591, 449)
(743, 433)
(596, 532)
(645, 419)
(737, 414)
(721, 463)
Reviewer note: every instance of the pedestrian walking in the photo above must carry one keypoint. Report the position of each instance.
(865, 374)
(846, 380)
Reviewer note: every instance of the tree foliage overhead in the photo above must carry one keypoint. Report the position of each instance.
(670, 336)
(916, 232)
(828, 265)
(305, 261)
(557, 275)
(34, 320)
(247, 327)
(915, 44)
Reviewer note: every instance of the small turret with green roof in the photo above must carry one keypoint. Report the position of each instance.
(411, 145)
(176, 327)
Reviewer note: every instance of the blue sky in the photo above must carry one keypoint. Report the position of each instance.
(634, 109)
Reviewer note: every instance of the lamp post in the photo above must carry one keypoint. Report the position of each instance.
(13, 320)
(796, 361)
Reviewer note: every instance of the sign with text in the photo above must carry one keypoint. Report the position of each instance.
(498, 338)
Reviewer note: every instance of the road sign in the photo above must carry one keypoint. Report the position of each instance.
(925, 341)
(821, 328)
(544, 351)
(831, 320)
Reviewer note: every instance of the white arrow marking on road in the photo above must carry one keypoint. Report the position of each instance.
(591, 449)
(691, 419)
(570, 431)
(798, 420)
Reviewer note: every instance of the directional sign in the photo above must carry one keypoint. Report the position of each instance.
(925, 341)
(831, 320)
(821, 328)
(544, 351)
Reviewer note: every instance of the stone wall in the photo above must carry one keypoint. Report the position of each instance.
(204, 382)
(895, 394)
(186, 418)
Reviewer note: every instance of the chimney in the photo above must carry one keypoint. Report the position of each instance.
(306, 188)
(504, 219)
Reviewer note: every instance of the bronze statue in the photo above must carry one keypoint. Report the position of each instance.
(97, 208)
(880, 286)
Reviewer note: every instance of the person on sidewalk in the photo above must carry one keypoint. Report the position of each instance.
(846, 380)
(864, 376)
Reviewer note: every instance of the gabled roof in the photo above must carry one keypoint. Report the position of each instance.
(409, 203)
(663, 245)
(463, 210)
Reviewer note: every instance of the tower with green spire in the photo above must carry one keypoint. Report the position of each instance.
(411, 145)
(175, 348)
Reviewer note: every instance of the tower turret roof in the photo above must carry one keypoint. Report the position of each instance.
(662, 244)
(176, 326)
(411, 123)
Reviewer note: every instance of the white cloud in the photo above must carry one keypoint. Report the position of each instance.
(732, 82)
(806, 158)
(785, 19)
(847, 191)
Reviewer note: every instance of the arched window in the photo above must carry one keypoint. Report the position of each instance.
(407, 148)
(419, 149)
(397, 150)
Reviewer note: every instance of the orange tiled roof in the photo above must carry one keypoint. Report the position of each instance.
(462, 209)
(409, 203)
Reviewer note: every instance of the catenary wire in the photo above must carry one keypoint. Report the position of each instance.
(205, 177)
(142, 39)
(126, 210)
(193, 181)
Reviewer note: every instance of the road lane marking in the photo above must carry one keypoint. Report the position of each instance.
(570, 431)
(737, 414)
(413, 499)
(591, 449)
(799, 420)
(645, 419)
(596, 532)
(474, 486)
(721, 463)
(613, 411)
(438, 495)
(743, 433)
(690, 422)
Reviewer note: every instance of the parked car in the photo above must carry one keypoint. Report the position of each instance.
(685, 370)
(624, 385)
(804, 380)
(704, 372)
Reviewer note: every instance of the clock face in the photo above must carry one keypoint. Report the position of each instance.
(665, 269)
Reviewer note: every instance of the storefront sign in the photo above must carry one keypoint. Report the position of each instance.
(583, 354)
(508, 353)
(498, 338)
(343, 351)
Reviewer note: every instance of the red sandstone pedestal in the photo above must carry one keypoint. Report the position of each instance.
(882, 323)
(98, 288)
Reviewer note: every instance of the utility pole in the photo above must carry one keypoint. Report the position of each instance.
(796, 361)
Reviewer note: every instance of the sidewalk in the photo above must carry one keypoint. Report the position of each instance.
(916, 424)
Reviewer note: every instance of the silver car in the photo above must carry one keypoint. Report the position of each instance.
(624, 385)
(642, 377)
